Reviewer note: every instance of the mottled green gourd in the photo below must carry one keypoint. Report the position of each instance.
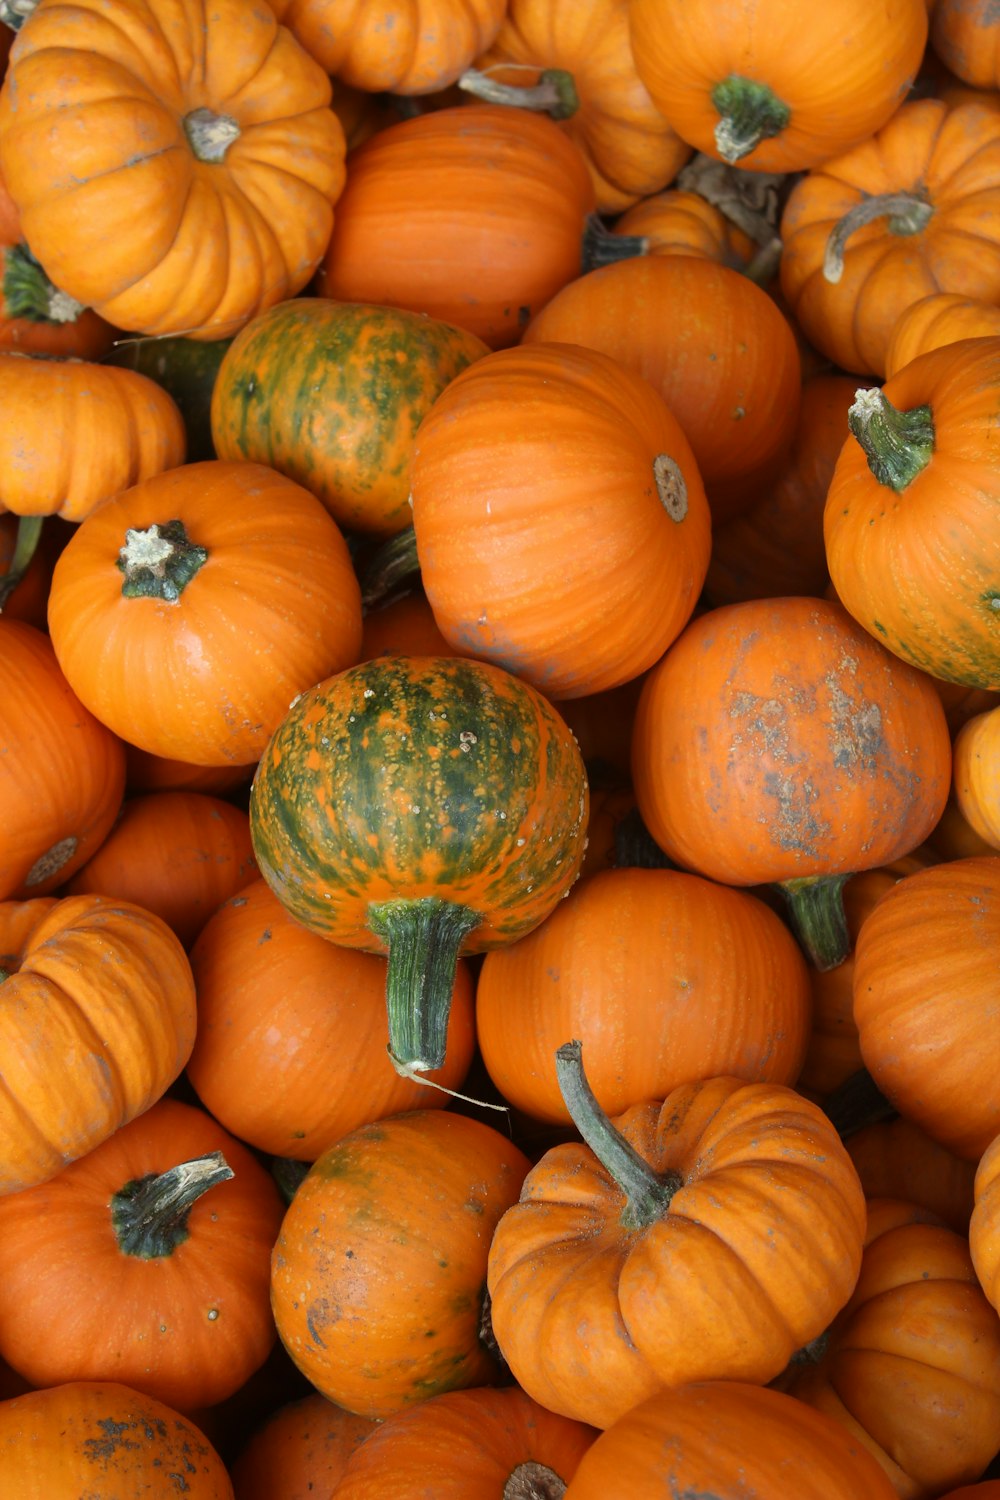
(331, 395)
(423, 806)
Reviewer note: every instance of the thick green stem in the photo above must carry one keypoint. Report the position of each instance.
(149, 1214)
(906, 213)
(647, 1194)
(424, 938)
(897, 444)
(28, 292)
(160, 562)
(533, 1481)
(554, 94)
(14, 13)
(4, 974)
(816, 907)
(29, 530)
(602, 247)
(750, 112)
(210, 135)
(392, 569)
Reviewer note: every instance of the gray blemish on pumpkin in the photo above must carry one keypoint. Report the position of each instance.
(793, 825)
(855, 728)
(52, 861)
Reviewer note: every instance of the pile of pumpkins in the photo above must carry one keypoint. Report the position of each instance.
(499, 749)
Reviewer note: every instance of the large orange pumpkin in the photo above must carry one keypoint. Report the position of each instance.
(175, 164)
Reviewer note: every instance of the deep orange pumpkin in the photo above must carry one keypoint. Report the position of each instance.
(965, 35)
(684, 223)
(897, 1157)
(942, 318)
(300, 1449)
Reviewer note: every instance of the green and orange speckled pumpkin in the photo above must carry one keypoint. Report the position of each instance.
(423, 806)
(331, 394)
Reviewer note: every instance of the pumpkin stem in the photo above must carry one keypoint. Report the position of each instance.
(602, 247)
(533, 1481)
(635, 846)
(14, 13)
(149, 1214)
(29, 530)
(4, 974)
(210, 135)
(392, 567)
(857, 1103)
(288, 1173)
(812, 1353)
(160, 562)
(424, 937)
(554, 94)
(647, 1194)
(28, 292)
(750, 112)
(670, 486)
(897, 444)
(816, 907)
(906, 213)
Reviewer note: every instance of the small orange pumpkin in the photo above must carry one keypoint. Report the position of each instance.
(942, 318)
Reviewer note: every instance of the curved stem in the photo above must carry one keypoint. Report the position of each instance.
(160, 562)
(647, 1194)
(602, 247)
(28, 292)
(210, 135)
(393, 566)
(149, 1214)
(750, 112)
(897, 444)
(424, 937)
(29, 530)
(533, 1481)
(907, 214)
(554, 94)
(816, 907)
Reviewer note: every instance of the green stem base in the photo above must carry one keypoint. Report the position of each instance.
(149, 1215)
(816, 907)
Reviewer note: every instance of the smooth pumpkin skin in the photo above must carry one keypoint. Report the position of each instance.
(896, 1157)
(275, 607)
(331, 394)
(402, 47)
(420, 777)
(62, 772)
(920, 567)
(841, 76)
(983, 1241)
(301, 1450)
(547, 542)
(629, 147)
(715, 346)
(942, 318)
(965, 35)
(178, 854)
(663, 976)
(115, 202)
(776, 739)
(291, 1052)
(471, 215)
(924, 992)
(75, 433)
(761, 1242)
(949, 156)
(976, 756)
(468, 1444)
(99, 1019)
(107, 1435)
(146, 1322)
(677, 222)
(378, 1271)
(726, 1435)
(911, 1367)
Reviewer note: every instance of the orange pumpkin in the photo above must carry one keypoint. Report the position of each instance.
(473, 216)
(154, 773)
(99, 1019)
(684, 223)
(561, 524)
(942, 318)
(897, 1157)
(711, 342)
(983, 1238)
(62, 773)
(226, 565)
(910, 212)
(754, 84)
(703, 1238)
(175, 167)
(976, 761)
(301, 1448)
(965, 35)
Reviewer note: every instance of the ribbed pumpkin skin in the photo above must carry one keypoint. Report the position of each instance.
(920, 568)
(726, 1435)
(99, 1019)
(275, 607)
(925, 970)
(62, 773)
(663, 976)
(57, 1242)
(545, 543)
(467, 1443)
(415, 777)
(976, 762)
(107, 1436)
(942, 318)
(474, 216)
(331, 394)
(777, 739)
(684, 223)
(897, 1157)
(114, 201)
(301, 1448)
(760, 1243)
(378, 1271)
